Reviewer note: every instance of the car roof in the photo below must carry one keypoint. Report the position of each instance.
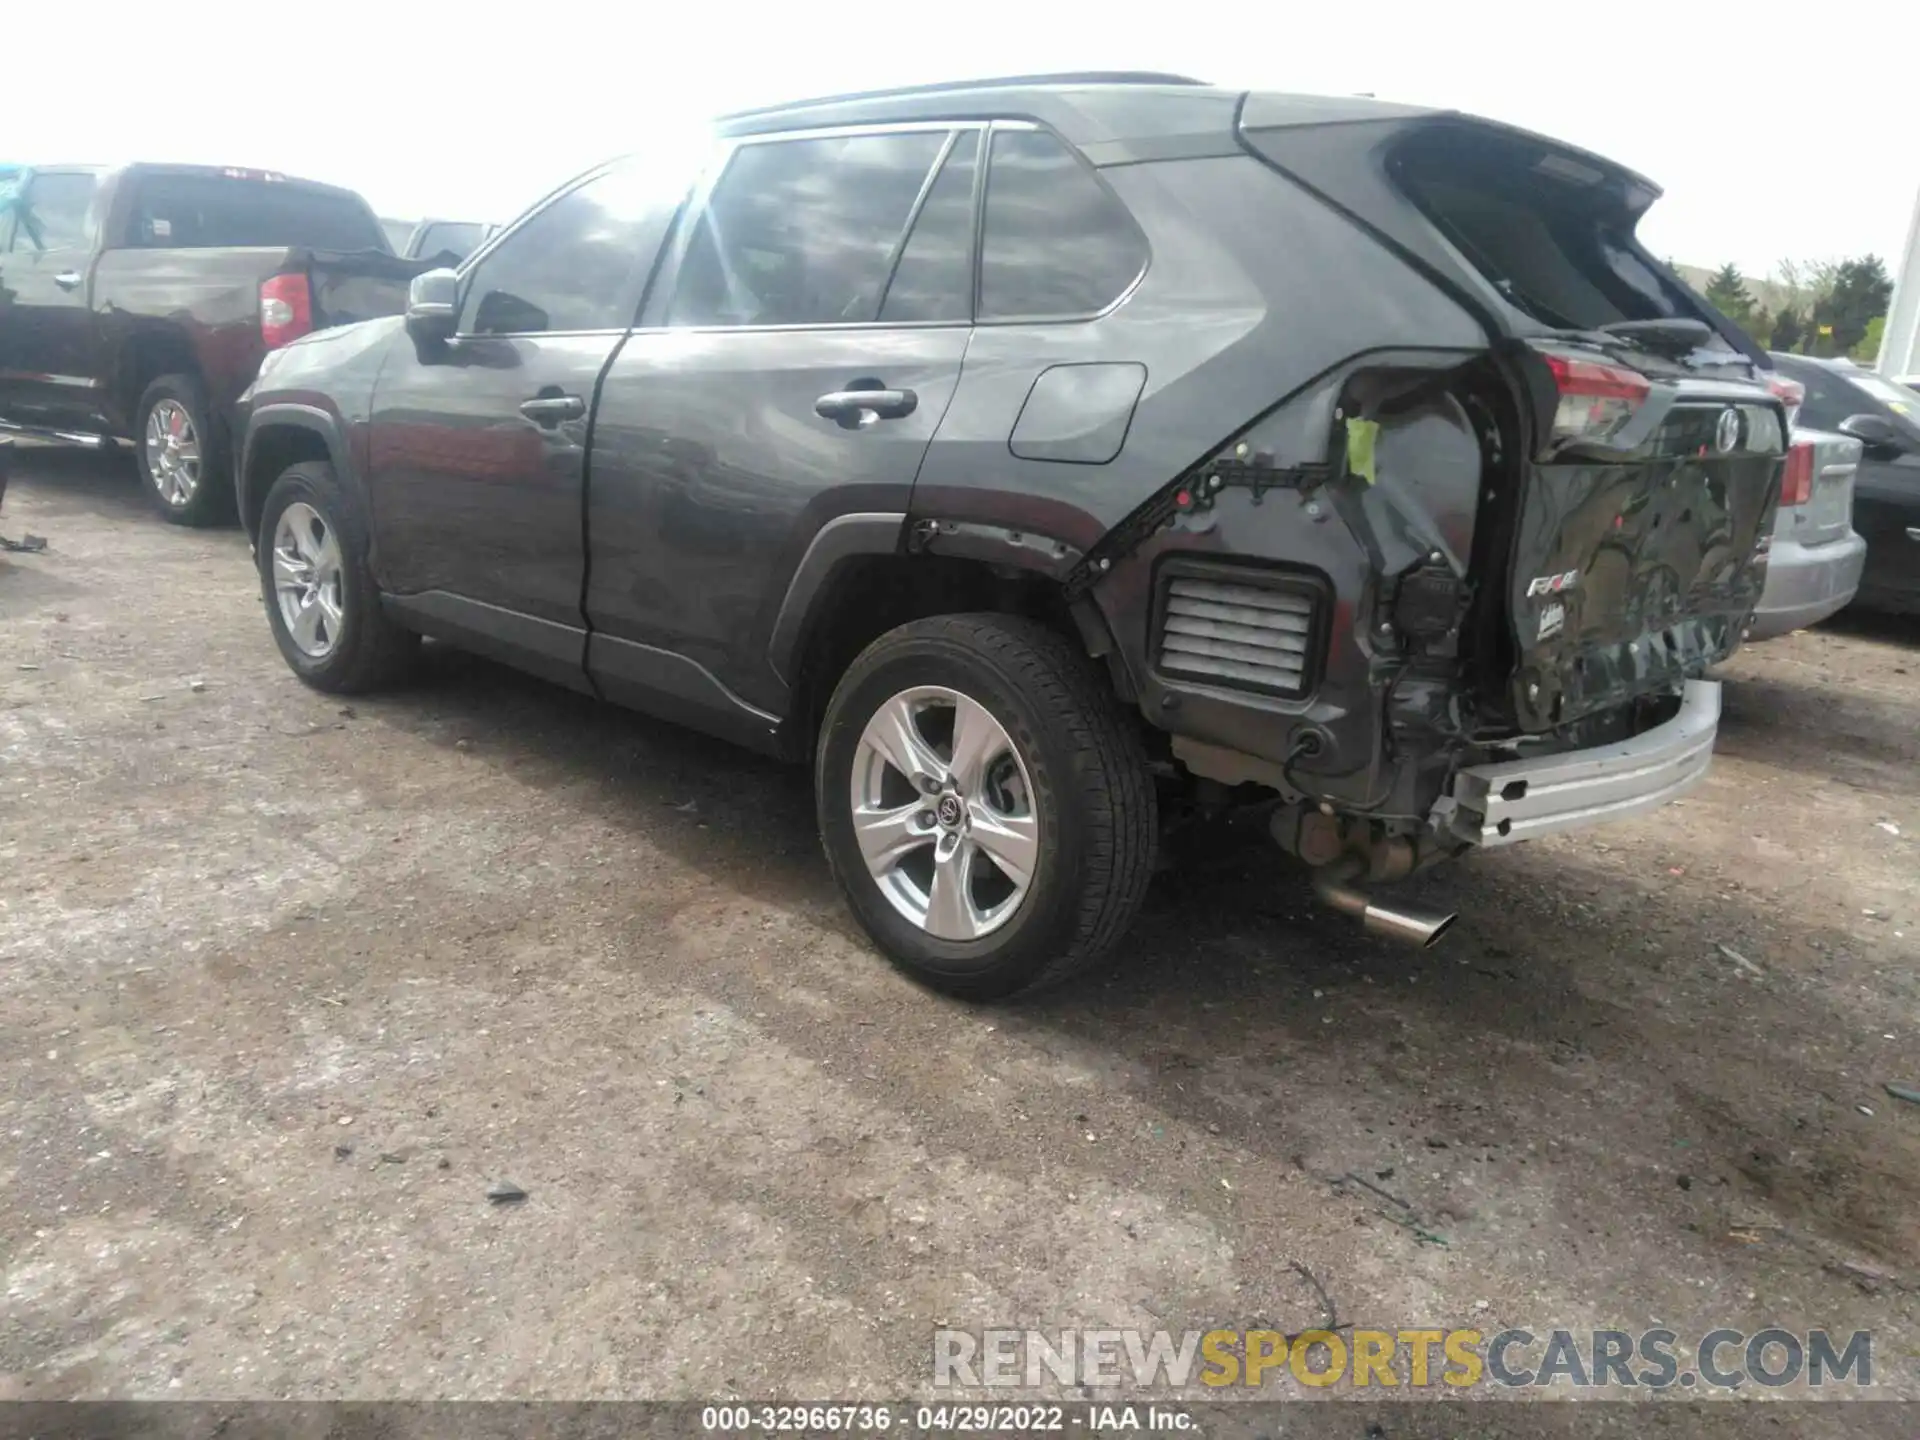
(1090, 109)
(236, 172)
(1117, 117)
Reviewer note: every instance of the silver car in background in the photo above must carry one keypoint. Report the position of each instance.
(1814, 566)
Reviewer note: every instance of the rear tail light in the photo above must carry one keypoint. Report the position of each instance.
(1596, 400)
(286, 309)
(1789, 393)
(1796, 482)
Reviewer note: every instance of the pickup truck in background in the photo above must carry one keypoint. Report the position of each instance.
(136, 303)
(447, 242)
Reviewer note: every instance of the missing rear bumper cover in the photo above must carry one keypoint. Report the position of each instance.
(1522, 799)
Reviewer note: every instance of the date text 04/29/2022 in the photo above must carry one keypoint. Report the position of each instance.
(953, 1418)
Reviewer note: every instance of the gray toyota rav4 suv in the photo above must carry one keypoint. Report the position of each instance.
(1032, 457)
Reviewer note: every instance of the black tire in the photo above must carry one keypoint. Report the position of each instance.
(1091, 793)
(368, 650)
(211, 499)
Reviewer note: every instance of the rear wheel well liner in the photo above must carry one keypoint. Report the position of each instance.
(863, 596)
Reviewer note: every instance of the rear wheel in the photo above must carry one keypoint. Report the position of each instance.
(183, 453)
(322, 603)
(984, 805)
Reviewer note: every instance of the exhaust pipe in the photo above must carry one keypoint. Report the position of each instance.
(1335, 886)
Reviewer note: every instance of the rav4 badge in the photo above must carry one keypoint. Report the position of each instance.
(1552, 584)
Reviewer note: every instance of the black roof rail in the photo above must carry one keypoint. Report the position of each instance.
(1065, 77)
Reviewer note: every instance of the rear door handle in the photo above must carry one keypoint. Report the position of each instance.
(547, 411)
(1913, 532)
(852, 409)
(68, 279)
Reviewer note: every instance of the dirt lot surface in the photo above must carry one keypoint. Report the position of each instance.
(287, 983)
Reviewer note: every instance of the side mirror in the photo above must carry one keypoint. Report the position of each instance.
(1876, 432)
(433, 306)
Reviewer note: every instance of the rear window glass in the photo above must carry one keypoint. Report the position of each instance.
(1549, 233)
(192, 212)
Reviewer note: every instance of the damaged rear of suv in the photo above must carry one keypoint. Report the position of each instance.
(1507, 563)
(1035, 456)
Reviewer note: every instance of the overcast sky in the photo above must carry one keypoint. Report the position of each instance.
(1791, 139)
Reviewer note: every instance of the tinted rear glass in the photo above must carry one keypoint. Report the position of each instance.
(191, 212)
(1550, 234)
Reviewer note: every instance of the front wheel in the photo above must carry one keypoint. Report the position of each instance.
(322, 603)
(985, 806)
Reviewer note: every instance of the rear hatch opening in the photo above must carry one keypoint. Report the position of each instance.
(1626, 545)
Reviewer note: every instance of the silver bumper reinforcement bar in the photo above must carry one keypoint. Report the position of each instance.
(1524, 799)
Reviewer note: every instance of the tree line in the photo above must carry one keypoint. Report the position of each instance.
(1826, 307)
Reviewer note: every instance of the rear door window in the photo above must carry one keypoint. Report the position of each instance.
(1056, 241)
(205, 211)
(803, 232)
(53, 213)
(934, 279)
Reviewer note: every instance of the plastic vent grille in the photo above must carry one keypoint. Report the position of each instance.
(1248, 636)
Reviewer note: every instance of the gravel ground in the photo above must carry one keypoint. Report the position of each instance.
(287, 983)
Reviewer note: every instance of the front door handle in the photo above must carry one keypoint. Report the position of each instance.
(68, 279)
(1913, 532)
(547, 411)
(855, 409)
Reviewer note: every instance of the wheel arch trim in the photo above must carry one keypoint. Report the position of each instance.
(286, 414)
(860, 532)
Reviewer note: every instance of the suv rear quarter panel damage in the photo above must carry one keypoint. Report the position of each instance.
(1254, 289)
(1259, 301)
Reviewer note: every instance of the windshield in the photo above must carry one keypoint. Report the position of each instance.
(194, 211)
(1897, 398)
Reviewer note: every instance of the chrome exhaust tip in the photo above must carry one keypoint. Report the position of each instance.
(1410, 927)
(1335, 887)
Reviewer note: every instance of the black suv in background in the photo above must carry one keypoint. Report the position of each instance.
(1884, 416)
(1027, 454)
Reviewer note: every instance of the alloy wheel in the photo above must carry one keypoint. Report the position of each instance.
(943, 813)
(173, 452)
(307, 580)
